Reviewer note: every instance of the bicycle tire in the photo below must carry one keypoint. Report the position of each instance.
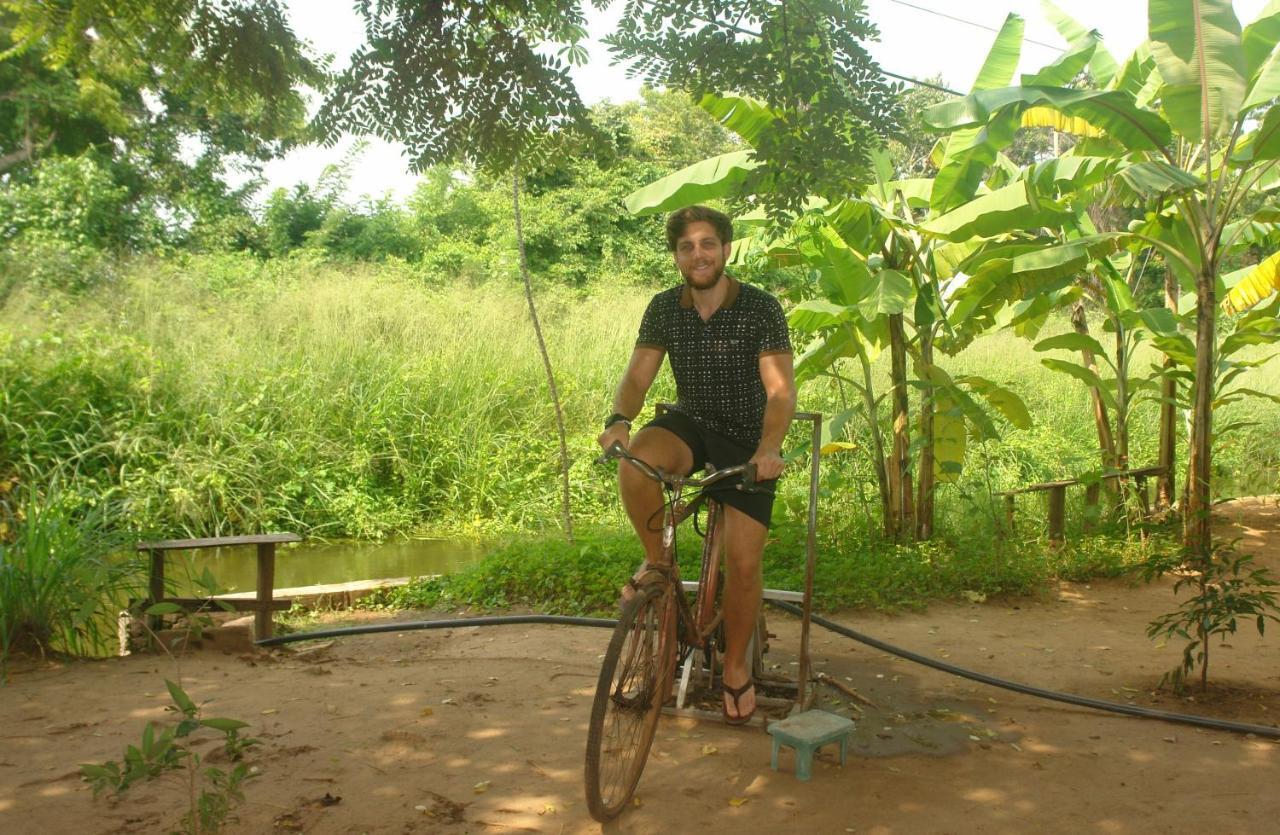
(629, 696)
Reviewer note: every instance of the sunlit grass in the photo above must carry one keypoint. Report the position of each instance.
(220, 394)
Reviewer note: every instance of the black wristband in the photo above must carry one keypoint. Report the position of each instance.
(617, 417)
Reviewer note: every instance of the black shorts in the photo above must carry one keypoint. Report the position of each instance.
(712, 448)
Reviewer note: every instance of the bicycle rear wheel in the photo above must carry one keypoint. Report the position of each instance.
(634, 679)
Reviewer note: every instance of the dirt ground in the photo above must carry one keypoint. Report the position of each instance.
(482, 730)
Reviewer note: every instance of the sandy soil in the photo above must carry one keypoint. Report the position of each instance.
(482, 730)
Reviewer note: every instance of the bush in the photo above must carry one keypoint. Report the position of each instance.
(73, 201)
(59, 584)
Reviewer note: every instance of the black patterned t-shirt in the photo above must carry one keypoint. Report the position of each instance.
(716, 363)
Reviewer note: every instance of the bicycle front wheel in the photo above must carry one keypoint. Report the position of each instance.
(633, 682)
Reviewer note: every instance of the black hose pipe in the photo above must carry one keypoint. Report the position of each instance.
(409, 626)
(1081, 701)
(567, 620)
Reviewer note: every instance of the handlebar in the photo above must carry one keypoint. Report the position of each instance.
(747, 471)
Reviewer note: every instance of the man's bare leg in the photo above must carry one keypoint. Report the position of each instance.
(744, 546)
(641, 495)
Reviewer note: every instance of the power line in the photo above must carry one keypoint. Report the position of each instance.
(920, 83)
(739, 30)
(969, 22)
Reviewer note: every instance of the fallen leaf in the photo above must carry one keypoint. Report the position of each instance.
(426, 711)
(709, 749)
(448, 700)
(548, 810)
(636, 801)
(481, 787)
(738, 801)
(270, 711)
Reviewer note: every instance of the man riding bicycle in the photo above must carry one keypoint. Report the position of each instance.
(735, 397)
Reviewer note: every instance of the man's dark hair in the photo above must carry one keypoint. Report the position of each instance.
(679, 220)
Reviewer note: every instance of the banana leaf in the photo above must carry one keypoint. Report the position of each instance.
(1197, 47)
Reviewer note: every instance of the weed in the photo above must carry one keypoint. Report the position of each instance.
(169, 748)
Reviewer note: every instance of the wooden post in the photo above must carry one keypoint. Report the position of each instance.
(1008, 511)
(266, 586)
(1144, 501)
(1057, 513)
(810, 564)
(156, 622)
(1091, 493)
(1165, 495)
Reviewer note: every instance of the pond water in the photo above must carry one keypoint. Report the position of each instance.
(309, 565)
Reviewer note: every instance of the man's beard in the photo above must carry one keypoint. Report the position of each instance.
(705, 284)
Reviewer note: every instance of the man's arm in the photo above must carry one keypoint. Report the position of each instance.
(628, 399)
(778, 375)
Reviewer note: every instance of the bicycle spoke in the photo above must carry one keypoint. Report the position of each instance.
(628, 701)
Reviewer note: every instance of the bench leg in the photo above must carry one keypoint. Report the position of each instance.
(266, 589)
(156, 622)
(773, 762)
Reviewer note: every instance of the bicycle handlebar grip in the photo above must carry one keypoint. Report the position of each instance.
(748, 484)
(615, 450)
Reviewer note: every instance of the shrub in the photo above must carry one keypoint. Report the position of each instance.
(59, 583)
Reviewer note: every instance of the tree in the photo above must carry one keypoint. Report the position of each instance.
(464, 82)
(1215, 85)
(827, 105)
(135, 83)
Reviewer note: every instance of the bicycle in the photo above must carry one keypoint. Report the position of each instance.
(657, 629)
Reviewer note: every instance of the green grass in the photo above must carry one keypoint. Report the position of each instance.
(60, 581)
(551, 576)
(220, 394)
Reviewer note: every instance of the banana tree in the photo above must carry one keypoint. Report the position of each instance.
(1202, 102)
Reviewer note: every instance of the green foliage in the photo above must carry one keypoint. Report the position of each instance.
(61, 580)
(464, 82)
(228, 73)
(135, 87)
(166, 748)
(1226, 589)
(214, 394)
(75, 201)
(804, 60)
(546, 575)
(854, 569)
(289, 218)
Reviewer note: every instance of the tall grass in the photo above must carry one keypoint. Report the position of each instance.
(60, 579)
(221, 394)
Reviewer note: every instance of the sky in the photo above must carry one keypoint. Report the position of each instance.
(918, 38)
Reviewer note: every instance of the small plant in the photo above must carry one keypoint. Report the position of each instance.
(167, 748)
(1227, 588)
(59, 583)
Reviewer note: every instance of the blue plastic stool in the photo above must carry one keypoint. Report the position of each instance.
(806, 733)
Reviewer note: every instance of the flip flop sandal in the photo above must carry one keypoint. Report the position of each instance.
(736, 693)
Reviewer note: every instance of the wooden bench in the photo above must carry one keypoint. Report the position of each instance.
(263, 602)
(1057, 491)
